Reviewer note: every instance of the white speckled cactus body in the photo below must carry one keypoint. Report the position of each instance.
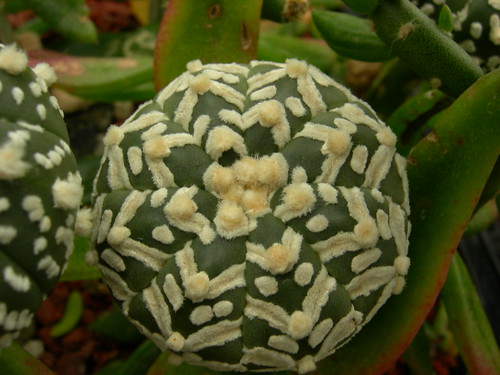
(252, 217)
(40, 191)
(476, 27)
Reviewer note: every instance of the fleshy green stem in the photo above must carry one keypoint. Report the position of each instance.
(14, 360)
(469, 323)
(419, 42)
(72, 314)
(213, 31)
(284, 10)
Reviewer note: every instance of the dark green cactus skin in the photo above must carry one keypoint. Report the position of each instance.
(476, 29)
(251, 217)
(40, 192)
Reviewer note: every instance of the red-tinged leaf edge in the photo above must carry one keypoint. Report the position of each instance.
(222, 31)
(96, 78)
(447, 171)
(468, 322)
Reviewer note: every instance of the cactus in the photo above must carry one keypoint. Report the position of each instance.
(476, 27)
(40, 190)
(251, 217)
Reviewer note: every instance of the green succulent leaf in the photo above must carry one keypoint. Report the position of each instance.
(226, 31)
(71, 316)
(445, 19)
(102, 79)
(362, 6)
(14, 360)
(275, 47)
(457, 158)
(411, 119)
(70, 18)
(284, 10)
(468, 321)
(351, 36)
(418, 41)
(492, 187)
(114, 325)
(141, 359)
(77, 268)
(418, 355)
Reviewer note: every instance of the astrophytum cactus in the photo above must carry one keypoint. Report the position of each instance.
(40, 190)
(476, 27)
(251, 217)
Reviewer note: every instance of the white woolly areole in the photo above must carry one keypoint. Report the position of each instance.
(45, 72)
(7, 234)
(4, 204)
(230, 219)
(299, 325)
(306, 364)
(386, 137)
(303, 274)
(223, 308)
(157, 147)
(17, 95)
(266, 285)
(67, 193)
(296, 68)
(399, 285)
(366, 233)
(92, 258)
(317, 223)
(197, 286)
(18, 282)
(113, 136)
(223, 138)
(201, 315)
(495, 29)
(494, 4)
(13, 60)
(181, 206)
(194, 66)
(338, 142)
(84, 219)
(163, 234)
(279, 259)
(12, 165)
(117, 235)
(402, 264)
(270, 113)
(176, 342)
(200, 84)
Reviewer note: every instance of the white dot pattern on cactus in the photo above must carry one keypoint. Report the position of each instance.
(252, 217)
(36, 213)
(476, 27)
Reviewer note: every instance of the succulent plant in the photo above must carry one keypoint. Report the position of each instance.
(476, 27)
(251, 217)
(40, 190)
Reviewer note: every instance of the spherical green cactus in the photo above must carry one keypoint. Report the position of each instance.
(476, 27)
(40, 190)
(251, 217)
